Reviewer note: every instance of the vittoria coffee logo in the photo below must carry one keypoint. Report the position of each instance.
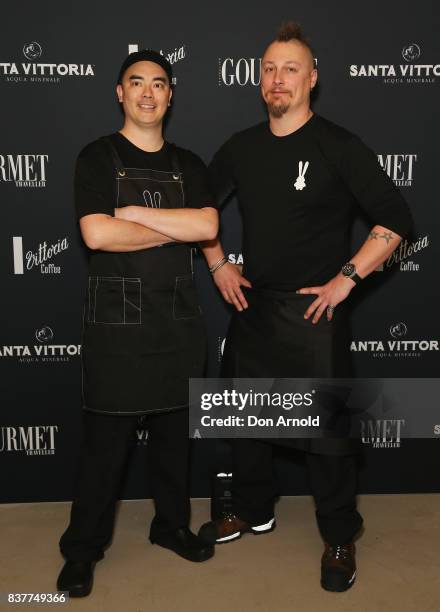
(242, 71)
(24, 170)
(399, 347)
(38, 258)
(404, 251)
(43, 352)
(407, 73)
(173, 56)
(31, 440)
(399, 167)
(34, 71)
(382, 433)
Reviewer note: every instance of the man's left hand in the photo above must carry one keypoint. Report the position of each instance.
(331, 294)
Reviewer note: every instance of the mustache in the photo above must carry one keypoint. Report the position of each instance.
(279, 90)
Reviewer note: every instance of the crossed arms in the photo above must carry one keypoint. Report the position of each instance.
(134, 228)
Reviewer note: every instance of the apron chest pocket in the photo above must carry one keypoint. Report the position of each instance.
(185, 301)
(114, 300)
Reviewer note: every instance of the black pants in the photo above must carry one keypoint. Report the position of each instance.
(333, 481)
(107, 443)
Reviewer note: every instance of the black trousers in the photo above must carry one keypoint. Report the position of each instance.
(333, 481)
(107, 442)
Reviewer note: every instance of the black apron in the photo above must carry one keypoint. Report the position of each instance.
(143, 334)
(271, 339)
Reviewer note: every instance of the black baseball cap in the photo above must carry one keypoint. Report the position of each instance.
(146, 55)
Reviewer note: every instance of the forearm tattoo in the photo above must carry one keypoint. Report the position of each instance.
(387, 236)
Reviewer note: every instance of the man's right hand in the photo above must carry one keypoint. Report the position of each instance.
(229, 279)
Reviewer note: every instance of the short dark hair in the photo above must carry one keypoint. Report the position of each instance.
(292, 31)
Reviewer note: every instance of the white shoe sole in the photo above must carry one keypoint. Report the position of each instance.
(257, 530)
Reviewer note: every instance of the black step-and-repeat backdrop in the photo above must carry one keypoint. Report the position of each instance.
(379, 70)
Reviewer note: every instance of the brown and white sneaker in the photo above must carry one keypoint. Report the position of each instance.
(230, 527)
(338, 567)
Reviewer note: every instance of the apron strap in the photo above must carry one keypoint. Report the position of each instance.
(173, 157)
(171, 150)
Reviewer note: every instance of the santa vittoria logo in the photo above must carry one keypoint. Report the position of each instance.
(408, 72)
(399, 346)
(45, 351)
(411, 52)
(35, 71)
(44, 334)
(32, 51)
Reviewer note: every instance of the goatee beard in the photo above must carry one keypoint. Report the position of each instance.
(277, 110)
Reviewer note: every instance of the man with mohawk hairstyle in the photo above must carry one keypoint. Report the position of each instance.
(299, 179)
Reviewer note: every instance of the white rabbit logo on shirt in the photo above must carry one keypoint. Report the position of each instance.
(300, 182)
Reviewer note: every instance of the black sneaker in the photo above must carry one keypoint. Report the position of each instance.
(230, 527)
(338, 567)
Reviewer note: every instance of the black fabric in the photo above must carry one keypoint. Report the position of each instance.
(95, 183)
(107, 444)
(294, 238)
(271, 339)
(333, 482)
(143, 335)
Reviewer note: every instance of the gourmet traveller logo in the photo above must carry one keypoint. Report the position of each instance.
(36, 71)
(30, 440)
(24, 169)
(410, 72)
(382, 433)
(399, 167)
(239, 71)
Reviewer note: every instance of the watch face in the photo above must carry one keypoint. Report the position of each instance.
(348, 269)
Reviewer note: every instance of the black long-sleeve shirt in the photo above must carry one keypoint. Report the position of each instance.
(298, 195)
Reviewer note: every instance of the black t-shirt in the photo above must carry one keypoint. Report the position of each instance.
(298, 195)
(95, 185)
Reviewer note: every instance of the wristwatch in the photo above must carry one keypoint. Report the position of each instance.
(349, 271)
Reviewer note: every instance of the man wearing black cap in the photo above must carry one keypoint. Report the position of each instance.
(141, 203)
